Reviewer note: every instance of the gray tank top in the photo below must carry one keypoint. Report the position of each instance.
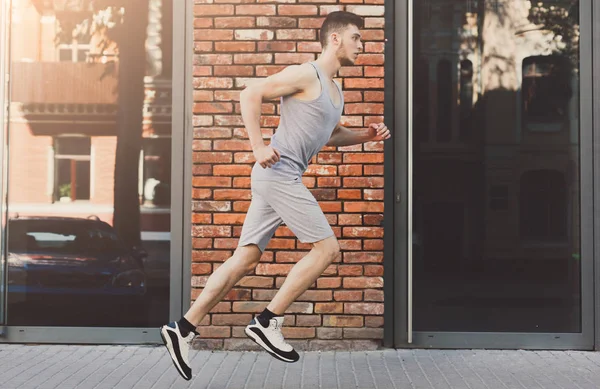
(304, 129)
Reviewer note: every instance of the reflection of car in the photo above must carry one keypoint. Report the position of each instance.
(73, 262)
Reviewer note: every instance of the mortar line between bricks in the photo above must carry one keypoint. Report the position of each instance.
(553, 353)
(387, 369)
(131, 370)
(440, 370)
(94, 371)
(117, 368)
(54, 364)
(237, 364)
(216, 371)
(528, 359)
(412, 384)
(458, 372)
(44, 369)
(561, 373)
(421, 368)
(171, 366)
(158, 350)
(477, 374)
(251, 371)
(353, 371)
(371, 370)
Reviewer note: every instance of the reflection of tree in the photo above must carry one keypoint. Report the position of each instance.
(118, 25)
(562, 19)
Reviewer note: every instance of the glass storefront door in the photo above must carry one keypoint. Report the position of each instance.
(500, 144)
(89, 164)
(4, 12)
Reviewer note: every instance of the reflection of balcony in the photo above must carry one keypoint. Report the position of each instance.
(76, 97)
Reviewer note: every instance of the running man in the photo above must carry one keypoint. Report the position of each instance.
(311, 107)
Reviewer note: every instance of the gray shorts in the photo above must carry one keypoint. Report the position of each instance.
(283, 201)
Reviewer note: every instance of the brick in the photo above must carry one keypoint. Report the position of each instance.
(350, 270)
(293, 58)
(199, 281)
(210, 256)
(374, 194)
(213, 10)
(310, 22)
(211, 231)
(249, 306)
(252, 58)
(348, 295)
(202, 170)
(368, 206)
(373, 295)
(235, 22)
(373, 220)
(324, 10)
(202, 193)
(323, 194)
(203, 47)
(300, 307)
(273, 269)
(374, 23)
(204, 243)
(231, 319)
(201, 218)
(201, 268)
(212, 59)
(229, 218)
(212, 206)
(309, 47)
(298, 332)
(255, 9)
(242, 182)
(316, 295)
(275, 46)
(308, 320)
(226, 120)
(349, 219)
(232, 170)
(329, 158)
(374, 71)
(254, 34)
(349, 194)
(373, 244)
(374, 321)
(362, 257)
(212, 83)
(211, 182)
(374, 47)
(364, 83)
(202, 120)
(212, 107)
(363, 333)
(214, 332)
(282, 244)
(276, 22)
(296, 34)
(363, 282)
(350, 244)
(241, 206)
(232, 145)
(232, 194)
(256, 282)
(212, 133)
(329, 282)
(321, 170)
(329, 182)
(299, 10)
(233, 71)
(342, 321)
(331, 206)
(354, 71)
(203, 95)
(329, 333)
(364, 308)
(265, 71)
(213, 35)
(289, 256)
(203, 22)
(352, 96)
(225, 243)
(363, 108)
(350, 170)
(373, 146)
(329, 308)
(237, 294)
(221, 307)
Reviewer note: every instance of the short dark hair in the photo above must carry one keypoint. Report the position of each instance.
(337, 21)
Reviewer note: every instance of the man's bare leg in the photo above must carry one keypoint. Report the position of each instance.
(243, 260)
(304, 274)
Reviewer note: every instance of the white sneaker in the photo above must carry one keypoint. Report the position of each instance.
(178, 347)
(271, 339)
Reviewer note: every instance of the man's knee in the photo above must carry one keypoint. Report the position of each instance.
(248, 255)
(328, 248)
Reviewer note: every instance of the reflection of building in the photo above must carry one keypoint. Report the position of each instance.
(63, 140)
(496, 136)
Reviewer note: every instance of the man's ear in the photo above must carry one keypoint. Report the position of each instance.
(336, 38)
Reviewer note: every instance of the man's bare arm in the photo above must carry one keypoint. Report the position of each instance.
(291, 80)
(343, 136)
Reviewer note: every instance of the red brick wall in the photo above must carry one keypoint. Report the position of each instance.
(234, 42)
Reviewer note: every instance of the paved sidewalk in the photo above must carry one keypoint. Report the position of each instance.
(146, 367)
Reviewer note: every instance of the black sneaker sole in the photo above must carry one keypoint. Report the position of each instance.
(256, 339)
(171, 355)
